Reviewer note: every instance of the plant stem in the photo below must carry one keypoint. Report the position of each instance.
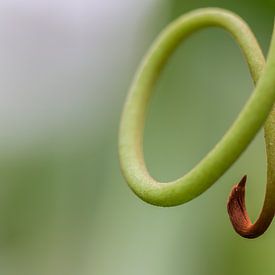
(235, 140)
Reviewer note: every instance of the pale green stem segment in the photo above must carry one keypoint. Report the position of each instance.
(233, 143)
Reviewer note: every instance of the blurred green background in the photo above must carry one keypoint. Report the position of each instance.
(64, 205)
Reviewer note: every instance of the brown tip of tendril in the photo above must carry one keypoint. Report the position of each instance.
(238, 214)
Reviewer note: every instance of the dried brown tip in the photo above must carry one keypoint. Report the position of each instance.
(238, 214)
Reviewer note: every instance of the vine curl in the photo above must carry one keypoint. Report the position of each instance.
(249, 121)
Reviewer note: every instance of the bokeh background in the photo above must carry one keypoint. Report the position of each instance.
(64, 205)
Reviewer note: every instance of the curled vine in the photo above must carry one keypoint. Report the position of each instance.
(257, 111)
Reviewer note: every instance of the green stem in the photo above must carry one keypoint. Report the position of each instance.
(236, 139)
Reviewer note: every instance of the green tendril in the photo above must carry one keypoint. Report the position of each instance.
(233, 143)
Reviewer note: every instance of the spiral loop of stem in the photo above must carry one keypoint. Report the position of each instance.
(249, 121)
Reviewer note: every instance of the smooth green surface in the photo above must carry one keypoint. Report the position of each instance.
(234, 142)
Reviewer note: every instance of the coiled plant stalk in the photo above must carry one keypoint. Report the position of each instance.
(249, 121)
